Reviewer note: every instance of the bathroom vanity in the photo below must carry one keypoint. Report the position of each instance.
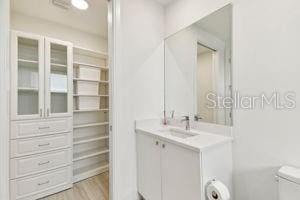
(175, 164)
(193, 149)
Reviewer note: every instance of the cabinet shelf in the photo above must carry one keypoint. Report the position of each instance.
(87, 95)
(76, 64)
(89, 153)
(28, 89)
(59, 65)
(90, 110)
(59, 92)
(91, 170)
(98, 81)
(28, 61)
(90, 52)
(90, 125)
(88, 139)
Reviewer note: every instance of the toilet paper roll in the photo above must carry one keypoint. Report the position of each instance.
(216, 190)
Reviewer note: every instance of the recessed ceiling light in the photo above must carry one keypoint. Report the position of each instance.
(80, 4)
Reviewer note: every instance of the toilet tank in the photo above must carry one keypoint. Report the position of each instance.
(289, 183)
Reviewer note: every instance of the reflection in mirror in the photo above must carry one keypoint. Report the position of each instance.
(198, 69)
(205, 83)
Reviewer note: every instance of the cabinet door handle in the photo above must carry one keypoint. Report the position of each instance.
(43, 183)
(157, 143)
(41, 112)
(43, 145)
(163, 146)
(44, 163)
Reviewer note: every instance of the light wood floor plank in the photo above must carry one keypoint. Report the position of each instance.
(94, 188)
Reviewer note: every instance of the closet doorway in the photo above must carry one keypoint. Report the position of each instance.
(61, 93)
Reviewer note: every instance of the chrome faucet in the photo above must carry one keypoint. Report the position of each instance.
(187, 122)
(197, 117)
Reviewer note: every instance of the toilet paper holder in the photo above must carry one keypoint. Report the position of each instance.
(216, 190)
(214, 194)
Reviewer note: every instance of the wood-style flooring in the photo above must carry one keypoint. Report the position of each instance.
(94, 188)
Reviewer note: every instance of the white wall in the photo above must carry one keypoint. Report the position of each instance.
(47, 28)
(137, 83)
(265, 58)
(4, 103)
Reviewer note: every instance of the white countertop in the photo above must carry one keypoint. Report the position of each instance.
(200, 142)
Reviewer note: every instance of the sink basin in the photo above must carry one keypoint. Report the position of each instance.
(179, 133)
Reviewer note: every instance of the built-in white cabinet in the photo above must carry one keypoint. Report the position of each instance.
(59, 115)
(170, 171)
(41, 77)
(41, 124)
(91, 113)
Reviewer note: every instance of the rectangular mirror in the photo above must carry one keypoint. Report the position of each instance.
(198, 69)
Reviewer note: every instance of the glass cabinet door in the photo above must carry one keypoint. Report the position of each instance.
(58, 78)
(27, 62)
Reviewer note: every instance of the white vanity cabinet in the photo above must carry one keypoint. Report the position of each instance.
(169, 171)
(149, 166)
(41, 77)
(41, 116)
(164, 168)
(180, 169)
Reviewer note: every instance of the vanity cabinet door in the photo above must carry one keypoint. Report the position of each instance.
(149, 167)
(180, 169)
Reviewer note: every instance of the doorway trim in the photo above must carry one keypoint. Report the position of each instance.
(4, 97)
(113, 18)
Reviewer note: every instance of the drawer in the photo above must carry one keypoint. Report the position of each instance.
(31, 128)
(29, 165)
(28, 146)
(27, 188)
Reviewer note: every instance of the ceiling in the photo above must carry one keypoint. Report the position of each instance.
(218, 23)
(93, 20)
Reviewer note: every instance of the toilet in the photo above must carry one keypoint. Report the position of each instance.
(289, 183)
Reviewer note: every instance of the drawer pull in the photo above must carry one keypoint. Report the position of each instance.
(43, 183)
(44, 127)
(43, 145)
(44, 163)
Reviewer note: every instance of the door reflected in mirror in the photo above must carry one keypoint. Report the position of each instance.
(198, 69)
(205, 83)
